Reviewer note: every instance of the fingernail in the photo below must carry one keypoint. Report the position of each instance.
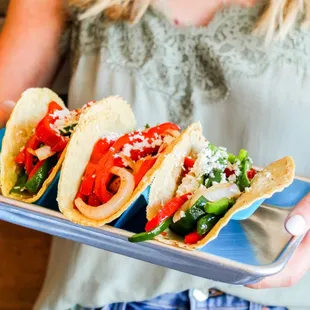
(296, 225)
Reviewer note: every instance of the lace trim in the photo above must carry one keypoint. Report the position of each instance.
(174, 61)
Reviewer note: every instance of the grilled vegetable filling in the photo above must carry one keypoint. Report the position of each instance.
(211, 182)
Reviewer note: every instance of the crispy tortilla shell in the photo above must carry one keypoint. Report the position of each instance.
(109, 115)
(27, 113)
(274, 178)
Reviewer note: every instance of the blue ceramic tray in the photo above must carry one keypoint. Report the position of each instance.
(232, 258)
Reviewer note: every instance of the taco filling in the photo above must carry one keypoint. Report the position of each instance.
(42, 151)
(211, 181)
(117, 166)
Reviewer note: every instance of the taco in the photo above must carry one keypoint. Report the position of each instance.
(200, 187)
(108, 165)
(33, 146)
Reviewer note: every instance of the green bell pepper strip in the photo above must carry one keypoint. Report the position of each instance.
(67, 131)
(206, 223)
(217, 178)
(187, 224)
(243, 155)
(20, 183)
(243, 180)
(212, 147)
(144, 236)
(219, 207)
(231, 158)
(35, 183)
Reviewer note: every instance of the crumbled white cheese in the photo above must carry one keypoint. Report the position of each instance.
(232, 178)
(111, 136)
(64, 118)
(167, 139)
(189, 185)
(247, 189)
(140, 143)
(207, 161)
(234, 167)
(223, 178)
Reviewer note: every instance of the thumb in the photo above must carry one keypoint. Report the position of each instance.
(6, 108)
(298, 222)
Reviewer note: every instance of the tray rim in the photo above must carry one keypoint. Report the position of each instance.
(35, 213)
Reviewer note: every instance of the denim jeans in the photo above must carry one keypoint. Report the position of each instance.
(187, 301)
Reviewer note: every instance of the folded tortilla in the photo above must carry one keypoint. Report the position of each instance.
(274, 178)
(110, 115)
(27, 113)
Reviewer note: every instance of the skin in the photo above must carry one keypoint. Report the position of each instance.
(29, 56)
(29, 52)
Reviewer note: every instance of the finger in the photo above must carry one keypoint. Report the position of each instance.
(298, 222)
(298, 265)
(6, 108)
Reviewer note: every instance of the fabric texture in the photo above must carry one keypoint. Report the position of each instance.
(186, 301)
(244, 93)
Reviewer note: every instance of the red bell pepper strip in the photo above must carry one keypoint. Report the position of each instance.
(135, 136)
(160, 129)
(20, 158)
(36, 168)
(47, 134)
(189, 162)
(251, 173)
(52, 107)
(103, 176)
(100, 149)
(137, 154)
(192, 238)
(93, 201)
(145, 167)
(118, 162)
(60, 146)
(88, 179)
(228, 172)
(33, 143)
(166, 211)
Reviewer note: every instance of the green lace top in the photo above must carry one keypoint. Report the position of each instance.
(245, 95)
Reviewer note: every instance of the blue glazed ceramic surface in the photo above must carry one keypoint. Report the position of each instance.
(47, 199)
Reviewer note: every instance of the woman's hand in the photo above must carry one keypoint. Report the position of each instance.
(5, 111)
(297, 223)
(29, 48)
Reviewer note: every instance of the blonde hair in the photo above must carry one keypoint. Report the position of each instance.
(275, 22)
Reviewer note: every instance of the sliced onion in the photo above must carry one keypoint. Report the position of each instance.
(173, 133)
(44, 152)
(179, 214)
(216, 192)
(127, 161)
(115, 203)
(31, 151)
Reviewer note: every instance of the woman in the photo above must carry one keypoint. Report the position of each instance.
(181, 61)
